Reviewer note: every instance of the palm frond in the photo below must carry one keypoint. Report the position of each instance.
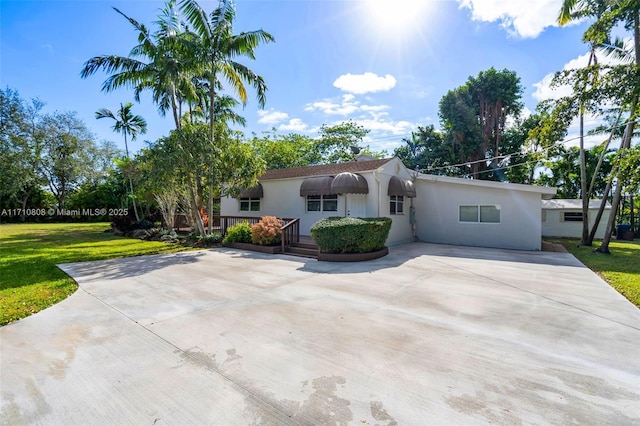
(197, 17)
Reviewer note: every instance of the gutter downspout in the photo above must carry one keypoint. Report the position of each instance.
(375, 176)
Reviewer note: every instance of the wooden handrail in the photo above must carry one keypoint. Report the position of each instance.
(290, 232)
(224, 222)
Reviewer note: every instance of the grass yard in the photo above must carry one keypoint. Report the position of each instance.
(29, 279)
(621, 269)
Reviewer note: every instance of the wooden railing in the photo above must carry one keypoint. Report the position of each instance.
(222, 223)
(290, 232)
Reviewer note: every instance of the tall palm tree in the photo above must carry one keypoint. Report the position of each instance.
(216, 48)
(128, 124)
(156, 63)
(572, 10)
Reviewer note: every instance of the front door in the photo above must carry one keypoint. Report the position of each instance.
(357, 205)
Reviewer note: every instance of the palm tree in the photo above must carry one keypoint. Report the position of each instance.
(216, 48)
(129, 125)
(156, 63)
(572, 10)
(608, 14)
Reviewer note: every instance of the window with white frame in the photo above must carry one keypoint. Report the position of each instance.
(396, 204)
(322, 203)
(249, 204)
(479, 214)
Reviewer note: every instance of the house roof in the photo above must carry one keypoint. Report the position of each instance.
(546, 191)
(571, 204)
(324, 169)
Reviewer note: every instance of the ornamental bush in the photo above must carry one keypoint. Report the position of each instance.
(267, 231)
(238, 233)
(350, 234)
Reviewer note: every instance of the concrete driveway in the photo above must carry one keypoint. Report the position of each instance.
(430, 334)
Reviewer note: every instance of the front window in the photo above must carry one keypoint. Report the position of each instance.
(396, 204)
(249, 204)
(322, 203)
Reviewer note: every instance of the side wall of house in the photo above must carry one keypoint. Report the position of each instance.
(438, 216)
(554, 225)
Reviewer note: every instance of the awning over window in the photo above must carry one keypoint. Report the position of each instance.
(401, 187)
(349, 183)
(317, 185)
(253, 192)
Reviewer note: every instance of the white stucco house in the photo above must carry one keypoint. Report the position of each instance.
(429, 208)
(563, 218)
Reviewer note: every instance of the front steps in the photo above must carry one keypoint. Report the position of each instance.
(304, 248)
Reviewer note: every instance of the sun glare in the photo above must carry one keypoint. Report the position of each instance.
(396, 16)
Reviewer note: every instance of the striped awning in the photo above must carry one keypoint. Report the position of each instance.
(401, 187)
(317, 185)
(349, 183)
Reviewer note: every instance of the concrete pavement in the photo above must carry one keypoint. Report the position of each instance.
(430, 334)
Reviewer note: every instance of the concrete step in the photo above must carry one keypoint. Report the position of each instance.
(307, 245)
(302, 252)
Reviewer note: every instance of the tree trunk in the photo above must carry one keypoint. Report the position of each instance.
(626, 142)
(598, 217)
(584, 241)
(633, 219)
(605, 196)
(212, 97)
(133, 197)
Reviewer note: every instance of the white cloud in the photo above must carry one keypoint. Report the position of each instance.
(271, 116)
(374, 108)
(294, 125)
(523, 18)
(368, 82)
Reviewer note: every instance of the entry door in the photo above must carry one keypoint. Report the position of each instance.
(357, 205)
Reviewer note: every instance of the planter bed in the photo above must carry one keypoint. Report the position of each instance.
(353, 257)
(255, 247)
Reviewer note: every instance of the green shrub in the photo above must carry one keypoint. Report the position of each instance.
(351, 235)
(238, 233)
(267, 231)
(211, 239)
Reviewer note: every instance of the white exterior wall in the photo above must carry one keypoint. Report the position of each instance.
(553, 224)
(438, 215)
(281, 198)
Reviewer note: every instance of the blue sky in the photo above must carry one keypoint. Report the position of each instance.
(332, 60)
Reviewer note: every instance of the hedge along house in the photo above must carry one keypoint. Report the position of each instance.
(563, 218)
(430, 208)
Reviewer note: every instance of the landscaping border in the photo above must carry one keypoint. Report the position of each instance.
(255, 247)
(353, 257)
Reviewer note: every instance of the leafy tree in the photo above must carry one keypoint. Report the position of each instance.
(20, 145)
(66, 153)
(427, 151)
(286, 151)
(474, 117)
(182, 160)
(128, 124)
(343, 142)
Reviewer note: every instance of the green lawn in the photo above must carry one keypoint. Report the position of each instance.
(29, 279)
(621, 268)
